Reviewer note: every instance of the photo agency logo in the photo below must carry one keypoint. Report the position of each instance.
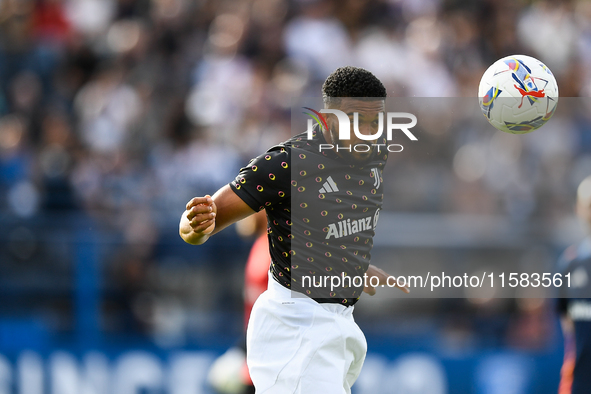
(392, 123)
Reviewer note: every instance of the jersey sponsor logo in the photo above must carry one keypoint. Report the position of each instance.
(349, 227)
(329, 186)
(376, 216)
(376, 178)
(580, 311)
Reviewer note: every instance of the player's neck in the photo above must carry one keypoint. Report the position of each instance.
(328, 138)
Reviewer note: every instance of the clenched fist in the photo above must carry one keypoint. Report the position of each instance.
(198, 220)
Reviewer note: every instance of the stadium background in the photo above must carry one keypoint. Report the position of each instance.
(114, 113)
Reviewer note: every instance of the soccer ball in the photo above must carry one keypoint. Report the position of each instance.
(518, 94)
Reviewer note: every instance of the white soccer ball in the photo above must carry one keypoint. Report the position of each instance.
(518, 94)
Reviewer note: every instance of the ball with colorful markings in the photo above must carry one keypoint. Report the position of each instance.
(518, 94)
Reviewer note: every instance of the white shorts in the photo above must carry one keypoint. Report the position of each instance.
(298, 346)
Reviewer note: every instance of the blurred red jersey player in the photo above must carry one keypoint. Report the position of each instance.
(229, 373)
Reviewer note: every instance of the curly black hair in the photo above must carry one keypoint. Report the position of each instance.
(351, 82)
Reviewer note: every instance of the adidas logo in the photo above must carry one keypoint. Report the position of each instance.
(329, 186)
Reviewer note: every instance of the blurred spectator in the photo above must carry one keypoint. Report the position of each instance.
(317, 38)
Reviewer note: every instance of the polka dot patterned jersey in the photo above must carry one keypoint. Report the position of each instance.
(321, 212)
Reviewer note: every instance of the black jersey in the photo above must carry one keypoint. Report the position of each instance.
(322, 211)
(575, 302)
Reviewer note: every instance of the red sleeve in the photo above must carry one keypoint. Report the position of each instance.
(256, 273)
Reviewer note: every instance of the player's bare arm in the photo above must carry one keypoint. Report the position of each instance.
(207, 215)
(383, 276)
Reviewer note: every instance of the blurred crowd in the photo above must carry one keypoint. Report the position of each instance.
(122, 110)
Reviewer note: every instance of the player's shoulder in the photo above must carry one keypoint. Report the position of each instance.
(280, 154)
(303, 142)
(284, 149)
(277, 154)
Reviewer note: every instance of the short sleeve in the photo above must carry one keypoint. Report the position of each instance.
(265, 181)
